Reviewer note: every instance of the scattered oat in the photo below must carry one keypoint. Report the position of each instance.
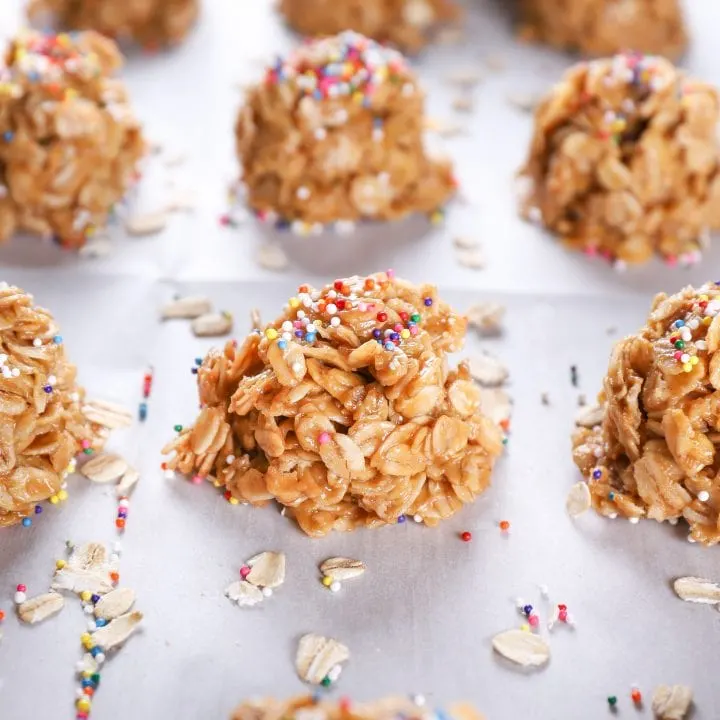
(89, 556)
(697, 590)
(39, 608)
(523, 648)
(495, 403)
(462, 104)
(465, 243)
(212, 325)
(186, 308)
(147, 224)
(488, 370)
(243, 593)
(317, 656)
(466, 77)
(104, 468)
(272, 257)
(486, 317)
(590, 416)
(77, 581)
(578, 499)
(108, 414)
(525, 102)
(473, 258)
(672, 702)
(127, 482)
(115, 604)
(267, 569)
(117, 631)
(342, 568)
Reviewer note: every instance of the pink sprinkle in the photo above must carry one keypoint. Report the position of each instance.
(197, 479)
(85, 444)
(534, 620)
(671, 260)
(677, 355)
(390, 273)
(323, 438)
(21, 588)
(414, 330)
(398, 327)
(244, 571)
(591, 250)
(562, 616)
(362, 307)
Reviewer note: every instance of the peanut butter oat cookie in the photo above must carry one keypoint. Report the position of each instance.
(42, 427)
(604, 27)
(151, 23)
(344, 410)
(654, 451)
(307, 708)
(624, 160)
(69, 142)
(334, 134)
(408, 24)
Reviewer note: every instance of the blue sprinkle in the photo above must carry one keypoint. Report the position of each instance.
(611, 496)
(57, 339)
(389, 346)
(27, 522)
(194, 371)
(597, 474)
(528, 609)
(310, 338)
(376, 333)
(48, 389)
(427, 301)
(38, 509)
(282, 344)
(679, 323)
(95, 598)
(401, 519)
(8, 135)
(394, 336)
(298, 333)
(100, 622)
(198, 361)
(97, 650)
(317, 95)
(87, 683)
(142, 412)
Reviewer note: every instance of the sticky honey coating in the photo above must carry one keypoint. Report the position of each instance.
(344, 411)
(654, 452)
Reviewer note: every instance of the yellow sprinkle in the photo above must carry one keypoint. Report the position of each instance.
(525, 627)
(60, 564)
(704, 298)
(271, 333)
(694, 360)
(233, 500)
(85, 637)
(707, 320)
(405, 334)
(54, 499)
(327, 581)
(217, 483)
(86, 596)
(87, 674)
(294, 303)
(83, 704)
(687, 367)
(62, 495)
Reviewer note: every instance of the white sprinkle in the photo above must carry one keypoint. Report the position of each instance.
(694, 324)
(88, 609)
(320, 133)
(544, 591)
(691, 539)
(335, 586)
(267, 592)
(417, 518)
(20, 597)
(117, 547)
(230, 459)
(124, 503)
(37, 342)
(52, 380)
(520, 603)
(334, 673)
(331, 309)
(169, 474)
(673, 521)
(597, 452)
(634, 520)
(91, 626)
(100, 658)
(335, 321)
(287, 326)
(419, 700)
(297, 367)
(701, 345)
(703, 496)
(612, 516)
(303, 193)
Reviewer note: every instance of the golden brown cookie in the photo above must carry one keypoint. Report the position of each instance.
(624, 160)
(654, 452)
(344, 410)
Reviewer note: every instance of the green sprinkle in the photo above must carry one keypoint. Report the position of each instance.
(326, 681)
(612, 701)
(415, 317)
(88, 451)
(177, 428)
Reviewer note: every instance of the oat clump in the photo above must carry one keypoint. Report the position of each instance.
(42, 427)
(624, 160)
(654, 452)
(69, 141)
(344, 410)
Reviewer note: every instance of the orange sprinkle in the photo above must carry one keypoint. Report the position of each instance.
(504, 525)
(505, 424)
(120, 523)
(115, 576)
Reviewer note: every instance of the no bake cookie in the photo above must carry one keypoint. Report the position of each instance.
(605, 27)
(624, 160)
(42, 427)
(334, 133)
(344, 411)
(69, 142)
(654, 452)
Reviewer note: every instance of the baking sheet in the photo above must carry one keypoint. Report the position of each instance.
(421, 619)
